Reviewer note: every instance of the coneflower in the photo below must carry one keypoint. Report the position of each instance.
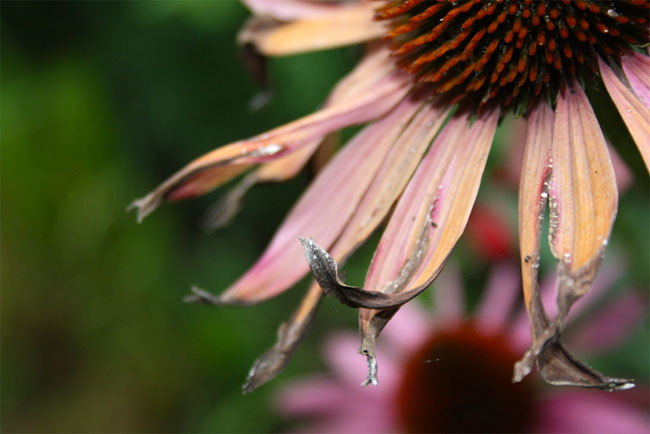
(437, 78)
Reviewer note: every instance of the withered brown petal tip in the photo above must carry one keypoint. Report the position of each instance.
(271, 363)
(560, 368)
(201, 296)
(325, 271)
(143, 206)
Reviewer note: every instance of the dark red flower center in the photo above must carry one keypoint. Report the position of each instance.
(460, 381)
(511, 53)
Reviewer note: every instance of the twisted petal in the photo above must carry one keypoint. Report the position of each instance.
(583, 196)
(632, 103)
(436, 203)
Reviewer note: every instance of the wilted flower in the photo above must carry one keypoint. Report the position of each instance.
(447, 371)
(436, 79)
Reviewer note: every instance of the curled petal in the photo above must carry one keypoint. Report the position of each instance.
(384, 190)
(343, 25)
(437, 204)
(633, 110)
(209, 171)
(325, 271)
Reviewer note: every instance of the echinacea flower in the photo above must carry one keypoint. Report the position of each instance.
(436, 80)
(444, 370)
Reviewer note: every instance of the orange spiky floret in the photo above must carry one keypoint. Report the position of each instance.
(508, 52)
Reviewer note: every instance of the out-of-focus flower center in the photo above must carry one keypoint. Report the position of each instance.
(460, 381)
(511, 53)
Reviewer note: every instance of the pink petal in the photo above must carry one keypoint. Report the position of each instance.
(498, 297)
(532, 203)
(408, 331)
(370, 72)
(392, 177)
(207, 172)
(287, 10)
(337, 407)
(590, 412)
(323, 210)
(637, 70)
(624, 177)
(449, 298)
(633, 110)
(436, 204)
(583, 195)
(611, 325)
(345, 24)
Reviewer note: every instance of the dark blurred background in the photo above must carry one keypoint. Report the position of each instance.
(100, 102)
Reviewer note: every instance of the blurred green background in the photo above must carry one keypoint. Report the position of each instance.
(100, 102)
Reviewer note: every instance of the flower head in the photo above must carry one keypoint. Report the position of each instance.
(436, 80)
(448, 371)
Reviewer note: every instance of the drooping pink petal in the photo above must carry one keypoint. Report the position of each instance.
(322, 396)
(345, 24)
(392, 177)
(436, 204)
(624, 176)
(337, 407)
(376, 203)
(323, 210)
(454, 198)
(637, 70)
(449, 298)
(408, 330)
(367, 74)
(612, 324)
(498, 298)
(536, 169)
(583, 199)
(583, 194)
(635, 113)
(207, 172)
(587, 412)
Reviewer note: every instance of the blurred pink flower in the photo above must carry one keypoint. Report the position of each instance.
(444, 371)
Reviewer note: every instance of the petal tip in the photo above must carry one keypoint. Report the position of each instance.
(144, 206)
(201, 296)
